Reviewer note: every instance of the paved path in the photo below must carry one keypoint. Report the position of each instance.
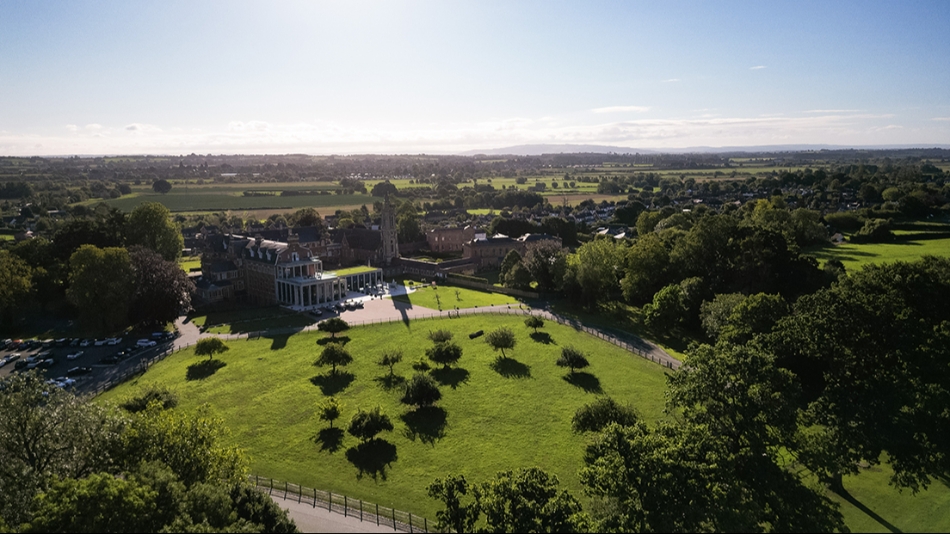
(310, 519)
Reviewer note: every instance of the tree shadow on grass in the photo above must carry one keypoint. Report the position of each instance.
(585, 381)
(203, 369)
(329, 439)
(372, 458)
(542, 337)
(278, 341)
(843, 493)
(426, 423)
(332, 383)
(390, 382)
(342, 340)
(511, 368)
(450, 376)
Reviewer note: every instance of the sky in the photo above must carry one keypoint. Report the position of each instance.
(408, 77)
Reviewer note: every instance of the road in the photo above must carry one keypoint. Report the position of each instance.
(310, 519)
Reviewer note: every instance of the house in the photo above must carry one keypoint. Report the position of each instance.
(449, 239)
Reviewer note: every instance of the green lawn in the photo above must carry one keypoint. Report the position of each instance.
(189, 262)
(854, 256)
(496, 417)
(249, 319)
(466, 298)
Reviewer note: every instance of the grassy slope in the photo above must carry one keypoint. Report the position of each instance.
(494, 423)
(855, 256)
(876, 507)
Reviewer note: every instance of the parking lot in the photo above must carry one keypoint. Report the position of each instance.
(98, 364)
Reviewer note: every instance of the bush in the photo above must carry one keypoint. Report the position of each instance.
(572, 358)
(445, 353)
(595, 416)
(153, 394)
(365, 425)
(440, 336)
(477, 279)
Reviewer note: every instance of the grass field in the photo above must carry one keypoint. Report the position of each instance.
(854, 256)
(354, 270)
(467, 298)
(188, 263)
(249, 319)
(494, 415)
(198, 200)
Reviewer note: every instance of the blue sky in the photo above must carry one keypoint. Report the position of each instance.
(407, 77)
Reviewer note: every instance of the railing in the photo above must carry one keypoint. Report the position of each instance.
(341, 504)
(137, 369)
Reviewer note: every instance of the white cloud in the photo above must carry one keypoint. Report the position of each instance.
(137, 127)
(757, 67)
(940, 119)
(72, 127)
(93, 127)
(621, 109)
(670, 80)
(834, 111)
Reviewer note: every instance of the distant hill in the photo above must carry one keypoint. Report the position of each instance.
(537, 150)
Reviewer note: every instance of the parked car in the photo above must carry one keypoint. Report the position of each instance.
(76, 371)
(85, 343)
(99, 342)
(75, 342)
(112, 360)
(113, 341)
(74, 355)
(48, 362)
(316, 313)
(145, 343)
(61, 342)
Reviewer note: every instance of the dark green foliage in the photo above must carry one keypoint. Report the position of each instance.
(714, 314)
(445, 353)
(389, 359)
(546, 261)
(162, 289)
(150, 226)
(667, 311)
(165, 398)
(161, 186)
(440, 336)
(421, 390)
(365, 425)
(572, 358)
(101, 285)
(874, 231)
(333, 326)
(210, 346)
(501, 339)
(871, 353)
(524, 501)
(535, 322)
(329, 410)
(755, 315)
(333, 354)
(595, 416)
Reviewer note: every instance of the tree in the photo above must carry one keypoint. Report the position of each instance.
(408, 229)
(572, 358)
(517, 278)
(150, 226)
(440, 336)
(454, 516)
(162, 289)
(501, 339)
(161, 186)
(547, 263)
(714, 314)
(595, 269)
(594, 417)
(508, 263)
(871, 353)
(101, 286)
(421, 390)
(329, 410)
(755, 315)
(535, 322)
(47, 433)
(15, 284)
(645, 267)
(389, 359)
(333, 354)
(210, 346)
(333, 326)
(382, 189)
(446, 353)
(366, 425)
(666, 311)
(529, 501)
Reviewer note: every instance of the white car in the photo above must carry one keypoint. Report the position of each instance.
(113, 341)
(145, 343)
(74, 355)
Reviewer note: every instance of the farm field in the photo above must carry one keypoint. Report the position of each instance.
(493, 416)
(196, 200)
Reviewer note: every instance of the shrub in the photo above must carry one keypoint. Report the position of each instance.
(421, 390)
(572, 358)
(365, 425)
(595, 416)
(153, 394)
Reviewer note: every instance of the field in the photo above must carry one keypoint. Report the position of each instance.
(854, 256)
(494, 415)
(188, 263)
(242, 320)
(197, 200)
(467, 298)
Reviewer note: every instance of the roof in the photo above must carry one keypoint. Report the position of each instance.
(306, 234)
(359, 238)
(222, 266)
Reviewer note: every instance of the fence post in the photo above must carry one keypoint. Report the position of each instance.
(285, 489)
(345, 506)
(330, 506)
(377, 515)
(410, 522)
(394, 518)
(425, 524)
(271, 486)
(299, 494)
(361, 510)
(314, 497)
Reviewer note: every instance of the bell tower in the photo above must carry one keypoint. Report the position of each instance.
(388, 228)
